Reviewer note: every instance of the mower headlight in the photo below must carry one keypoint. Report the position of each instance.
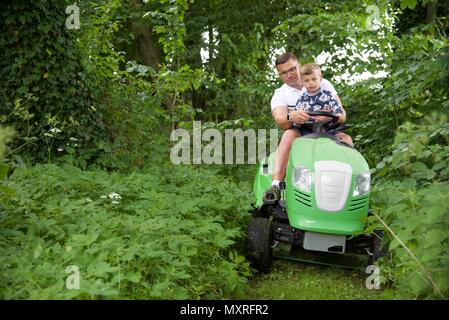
(362, 184)
(302, 178)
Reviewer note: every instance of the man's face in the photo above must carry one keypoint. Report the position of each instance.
(312, 82)
(289, 72)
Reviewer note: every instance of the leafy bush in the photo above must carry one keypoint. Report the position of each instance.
(160, 234)
(63, 90)
(45, 84)
(411, 196)
(416, 85)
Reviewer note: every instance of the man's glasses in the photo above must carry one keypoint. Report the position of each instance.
(289, 71)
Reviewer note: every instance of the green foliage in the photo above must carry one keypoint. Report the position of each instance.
(44, 83)
(411, 196)
(237, 60)
(6, 135)
(416, 85)
(75, 103)
(400, 125)
(169, 22)
(82, 98)
(160, 234)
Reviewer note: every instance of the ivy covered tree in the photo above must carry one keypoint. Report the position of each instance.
(47, 94)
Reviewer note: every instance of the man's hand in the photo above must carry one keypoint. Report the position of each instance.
(299, 117)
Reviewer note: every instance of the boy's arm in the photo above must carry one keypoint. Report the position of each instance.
(327, 86)
(337, 108)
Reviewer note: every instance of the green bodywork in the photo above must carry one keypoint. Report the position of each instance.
(303, 212)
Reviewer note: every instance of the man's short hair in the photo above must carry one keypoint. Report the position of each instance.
(283, 58)
(310, 68)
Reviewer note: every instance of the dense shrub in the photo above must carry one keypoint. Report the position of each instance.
(161, 234)
(45, 84)
(411, 196)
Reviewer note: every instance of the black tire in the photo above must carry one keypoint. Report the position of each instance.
(263, 212)
(259, 243)
(376, 246)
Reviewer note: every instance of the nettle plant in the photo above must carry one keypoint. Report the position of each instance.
(411, 196)
(160, 234)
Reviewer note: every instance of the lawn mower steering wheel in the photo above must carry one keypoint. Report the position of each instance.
(322, 126)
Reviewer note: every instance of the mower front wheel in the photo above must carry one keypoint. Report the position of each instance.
(377, 250)
(259, 243)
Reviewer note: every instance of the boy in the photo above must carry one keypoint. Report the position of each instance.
(314, 98)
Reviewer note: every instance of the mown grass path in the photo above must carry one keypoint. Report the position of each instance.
(290, 280)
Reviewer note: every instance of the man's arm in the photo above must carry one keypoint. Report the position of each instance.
(280, 117)
(279, 109)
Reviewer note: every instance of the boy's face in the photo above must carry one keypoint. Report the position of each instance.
(312, 82)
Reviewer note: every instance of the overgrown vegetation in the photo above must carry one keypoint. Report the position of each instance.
(86, 116)
(411, 197)
(164, 233)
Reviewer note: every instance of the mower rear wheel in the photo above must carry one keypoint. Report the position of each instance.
(259, 243)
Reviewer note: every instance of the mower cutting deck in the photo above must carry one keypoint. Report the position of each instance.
(346, 261)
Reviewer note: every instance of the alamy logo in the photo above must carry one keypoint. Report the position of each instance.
(373, 280)
(73, 280)
(190, 150)
(373, 20)
(73, 20)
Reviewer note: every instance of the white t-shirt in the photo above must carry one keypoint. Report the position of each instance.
(288, 96)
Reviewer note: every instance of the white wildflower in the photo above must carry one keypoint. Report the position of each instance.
(55, 130)
(103, 197)
(115, 196)
(115, 202)
(60, 149)
(73, 139)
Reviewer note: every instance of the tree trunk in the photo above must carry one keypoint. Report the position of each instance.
(148, 48)
(431, 14)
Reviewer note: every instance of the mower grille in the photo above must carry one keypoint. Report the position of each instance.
(358, 203)
(303, 198)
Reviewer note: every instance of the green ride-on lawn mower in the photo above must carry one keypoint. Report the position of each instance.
(324, 202)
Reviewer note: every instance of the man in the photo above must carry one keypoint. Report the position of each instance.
(286, 96)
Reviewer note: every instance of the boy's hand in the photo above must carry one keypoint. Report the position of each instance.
(299, 117)
(323, 118)
(340, 118)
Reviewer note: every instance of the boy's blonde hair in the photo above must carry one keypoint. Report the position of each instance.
(310, 68)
